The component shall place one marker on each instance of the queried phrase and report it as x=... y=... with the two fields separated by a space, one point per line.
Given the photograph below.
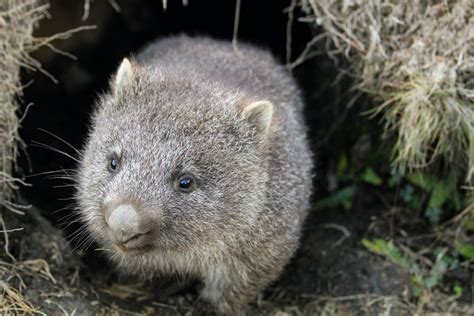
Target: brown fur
x=180 y=112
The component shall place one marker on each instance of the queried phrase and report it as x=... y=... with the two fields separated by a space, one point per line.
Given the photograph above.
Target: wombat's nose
x=124 y=222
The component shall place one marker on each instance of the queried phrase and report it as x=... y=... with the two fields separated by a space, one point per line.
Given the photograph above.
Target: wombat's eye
x=113 y=163
x=186 y=183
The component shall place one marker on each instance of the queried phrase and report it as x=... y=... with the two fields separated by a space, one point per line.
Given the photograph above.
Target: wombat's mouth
x=140 y=243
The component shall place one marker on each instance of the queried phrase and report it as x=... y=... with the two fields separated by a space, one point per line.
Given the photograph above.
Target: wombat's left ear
x=259 y=114
x=124 y=76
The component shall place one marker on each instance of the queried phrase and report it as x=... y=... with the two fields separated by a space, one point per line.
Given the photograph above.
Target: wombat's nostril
x=123 y=220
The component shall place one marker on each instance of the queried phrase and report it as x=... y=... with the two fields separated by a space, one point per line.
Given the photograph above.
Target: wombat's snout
x=125 y=221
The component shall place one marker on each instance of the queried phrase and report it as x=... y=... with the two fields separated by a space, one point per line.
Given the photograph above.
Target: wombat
x=198 y=164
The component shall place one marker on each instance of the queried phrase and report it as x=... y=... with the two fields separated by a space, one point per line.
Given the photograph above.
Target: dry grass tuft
x=417 y=57
x=17 y=20
x=12 y=300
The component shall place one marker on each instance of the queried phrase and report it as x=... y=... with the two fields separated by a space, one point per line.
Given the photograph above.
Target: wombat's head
x=171 y=163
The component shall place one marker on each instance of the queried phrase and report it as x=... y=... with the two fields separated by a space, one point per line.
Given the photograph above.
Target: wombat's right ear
x=259 y=114
x=124 y=76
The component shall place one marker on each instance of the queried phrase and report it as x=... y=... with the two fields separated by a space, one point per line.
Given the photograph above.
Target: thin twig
x=236 y=27
x=5 y=236
x=289 y=30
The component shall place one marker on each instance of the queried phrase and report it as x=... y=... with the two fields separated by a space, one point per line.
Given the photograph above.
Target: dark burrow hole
x=63 y=108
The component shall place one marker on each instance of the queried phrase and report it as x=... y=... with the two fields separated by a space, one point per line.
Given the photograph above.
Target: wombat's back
x=248 y=69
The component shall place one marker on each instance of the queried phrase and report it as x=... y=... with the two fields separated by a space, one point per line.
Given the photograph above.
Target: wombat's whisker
x=44 y=146
x=70 y=206
x=76 y=236
x=68 y=216
x=60 y=139
x=64 y=186
x=61 y=177
x=65 y=225
x=69 y=219
x=86 y=240
x=47 y=173
x=90 y=243
x=67 y=199
x=104 y=249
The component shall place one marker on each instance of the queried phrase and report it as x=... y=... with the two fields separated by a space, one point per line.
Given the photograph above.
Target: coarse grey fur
x=180 y=112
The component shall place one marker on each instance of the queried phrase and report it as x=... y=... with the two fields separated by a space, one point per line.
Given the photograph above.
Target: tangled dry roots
x=417 y=57
x=17 y=20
